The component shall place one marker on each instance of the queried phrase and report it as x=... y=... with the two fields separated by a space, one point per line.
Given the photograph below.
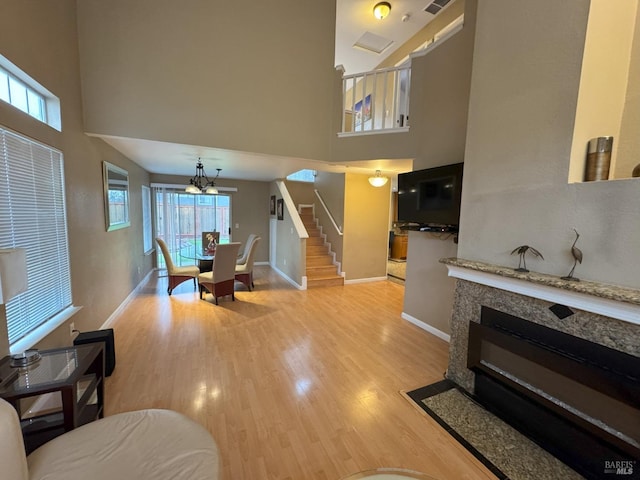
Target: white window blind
x=33 y=216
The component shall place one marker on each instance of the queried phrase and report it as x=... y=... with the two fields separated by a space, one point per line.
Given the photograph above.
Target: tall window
x=33 y=216
x=147 y=243
x=182 y=217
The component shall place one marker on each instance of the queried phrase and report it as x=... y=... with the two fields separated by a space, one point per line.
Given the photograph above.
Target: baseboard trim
x=365 y=280
x=425 y=326
x=116 y=313
x=292 y=282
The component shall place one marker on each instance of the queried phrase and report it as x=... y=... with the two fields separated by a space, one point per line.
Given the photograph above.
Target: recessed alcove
x=608 y=101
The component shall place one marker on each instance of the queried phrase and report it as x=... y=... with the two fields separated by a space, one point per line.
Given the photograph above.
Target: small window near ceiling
x=304 y=175
x=24 y=93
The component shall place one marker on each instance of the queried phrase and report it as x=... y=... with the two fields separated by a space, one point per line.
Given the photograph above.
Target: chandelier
x=200 y=183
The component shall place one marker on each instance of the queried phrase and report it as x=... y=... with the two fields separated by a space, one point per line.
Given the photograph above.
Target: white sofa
x=140 y=445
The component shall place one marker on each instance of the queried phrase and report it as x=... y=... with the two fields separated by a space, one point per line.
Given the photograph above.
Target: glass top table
x=61 y=390
x=55 y=367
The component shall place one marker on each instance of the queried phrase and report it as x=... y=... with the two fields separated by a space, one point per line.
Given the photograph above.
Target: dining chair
x=220 y=281
x=176 y=275
x=242 y=258
x=244 y=271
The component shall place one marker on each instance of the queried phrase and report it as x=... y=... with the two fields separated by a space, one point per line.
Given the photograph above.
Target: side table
x=72 y=378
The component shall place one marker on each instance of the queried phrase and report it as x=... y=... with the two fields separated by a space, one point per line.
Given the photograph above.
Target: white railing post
x=384 y=100
x=353 y=105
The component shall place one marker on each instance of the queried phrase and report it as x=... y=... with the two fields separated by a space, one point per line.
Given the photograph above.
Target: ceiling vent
x=373 y=43
x=436 y=6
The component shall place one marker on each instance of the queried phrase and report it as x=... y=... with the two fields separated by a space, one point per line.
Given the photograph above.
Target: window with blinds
x=33 y=216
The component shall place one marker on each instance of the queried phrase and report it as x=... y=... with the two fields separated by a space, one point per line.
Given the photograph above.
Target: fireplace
x=566 y=377
x=578 y=399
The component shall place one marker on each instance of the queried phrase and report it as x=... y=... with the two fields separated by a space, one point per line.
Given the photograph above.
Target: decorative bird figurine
x=522 y=251
x=577 y=258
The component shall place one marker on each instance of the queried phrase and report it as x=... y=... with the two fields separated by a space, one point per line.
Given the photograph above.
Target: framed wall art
x=280 y=209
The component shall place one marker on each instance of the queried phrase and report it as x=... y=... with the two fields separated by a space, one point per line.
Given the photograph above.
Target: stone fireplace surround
x=604 y=314
x=474 y=291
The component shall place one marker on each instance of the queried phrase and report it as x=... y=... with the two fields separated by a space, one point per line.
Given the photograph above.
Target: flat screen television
x=430 y=197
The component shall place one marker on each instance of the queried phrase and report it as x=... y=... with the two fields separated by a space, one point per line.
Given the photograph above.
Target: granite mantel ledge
x=601 y=290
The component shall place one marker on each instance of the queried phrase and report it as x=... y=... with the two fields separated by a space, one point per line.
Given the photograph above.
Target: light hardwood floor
x=293 y=385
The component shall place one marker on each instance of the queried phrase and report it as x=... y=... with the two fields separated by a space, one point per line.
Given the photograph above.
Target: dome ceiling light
x=381 y=10
x=378 y=180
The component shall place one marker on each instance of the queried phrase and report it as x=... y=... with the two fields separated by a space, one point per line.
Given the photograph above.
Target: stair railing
x=376 y=101
x=328 y=212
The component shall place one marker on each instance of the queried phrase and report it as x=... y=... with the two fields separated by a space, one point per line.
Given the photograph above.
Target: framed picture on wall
x=272 y=205
x=280 y=209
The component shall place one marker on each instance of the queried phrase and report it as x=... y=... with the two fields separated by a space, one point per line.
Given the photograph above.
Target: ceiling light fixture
x=200 y=183
x=378 y=180
x=381 y=10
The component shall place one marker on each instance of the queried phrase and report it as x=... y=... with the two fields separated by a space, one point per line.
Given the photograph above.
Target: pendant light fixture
x=378 y=180
x=381 y=10
x=200 y=183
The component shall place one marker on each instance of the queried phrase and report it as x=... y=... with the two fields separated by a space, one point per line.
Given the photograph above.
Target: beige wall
x=289 y=247
x=330 y=186
x=105 y=266
x=366 y=228
x=249 y=209
x=301 y=192
x=526 y=74
x=211 y=73
x=428 y=291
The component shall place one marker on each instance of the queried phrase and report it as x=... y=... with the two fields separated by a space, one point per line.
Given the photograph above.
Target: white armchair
x=145 y=445
x=244 y=271
x=221 y=280
x=242 y=256
x=176 y=275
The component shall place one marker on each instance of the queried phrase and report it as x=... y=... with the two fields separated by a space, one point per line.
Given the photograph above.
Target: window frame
x=49 y=103
x=147 y=221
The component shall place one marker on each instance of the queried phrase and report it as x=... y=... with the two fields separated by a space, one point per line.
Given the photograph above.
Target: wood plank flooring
x=293 y=385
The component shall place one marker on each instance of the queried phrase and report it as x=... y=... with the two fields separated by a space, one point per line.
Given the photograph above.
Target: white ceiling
x=179 y=159
x=353 y=19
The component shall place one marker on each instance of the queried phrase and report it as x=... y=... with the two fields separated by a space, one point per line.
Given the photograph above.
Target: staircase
x=321 y=272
